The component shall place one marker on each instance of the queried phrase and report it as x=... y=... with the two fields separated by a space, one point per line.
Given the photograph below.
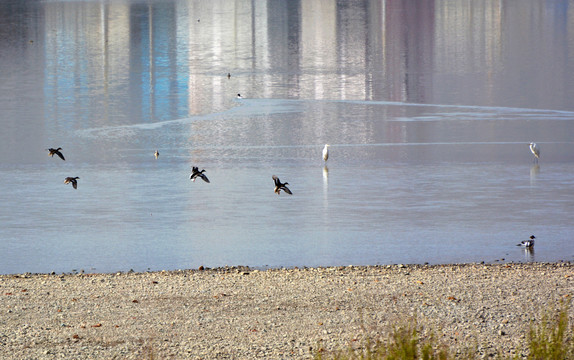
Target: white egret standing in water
x=326 y=152
x=535 y=150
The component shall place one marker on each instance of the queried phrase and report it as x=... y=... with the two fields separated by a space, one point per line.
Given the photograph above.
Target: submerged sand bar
x=241 y=313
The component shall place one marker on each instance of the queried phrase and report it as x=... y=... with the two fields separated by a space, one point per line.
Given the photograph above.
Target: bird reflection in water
x=325 y=185
x=529 y=254
x=325 y=212
x=534 y=171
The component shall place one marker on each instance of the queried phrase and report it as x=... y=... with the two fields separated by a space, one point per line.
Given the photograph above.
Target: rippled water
x=429 y=126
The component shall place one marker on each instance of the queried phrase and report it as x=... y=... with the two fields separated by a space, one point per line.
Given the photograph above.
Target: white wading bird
x=535 y=150
x=326 y=152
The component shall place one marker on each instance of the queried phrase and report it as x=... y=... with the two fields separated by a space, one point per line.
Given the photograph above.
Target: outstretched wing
x=276 y=180
x=204 y=178
x=60 y=155
x=286 y=189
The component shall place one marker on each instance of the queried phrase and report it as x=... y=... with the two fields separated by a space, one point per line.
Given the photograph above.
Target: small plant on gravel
x=404 y=342
x=551 y=339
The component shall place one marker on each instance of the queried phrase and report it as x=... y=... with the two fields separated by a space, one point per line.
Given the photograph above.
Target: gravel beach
x=241 y=313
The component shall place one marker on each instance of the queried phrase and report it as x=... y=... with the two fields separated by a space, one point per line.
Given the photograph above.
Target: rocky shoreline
x=241 y=313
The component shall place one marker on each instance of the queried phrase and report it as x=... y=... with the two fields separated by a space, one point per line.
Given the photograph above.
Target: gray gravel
x=240 y=313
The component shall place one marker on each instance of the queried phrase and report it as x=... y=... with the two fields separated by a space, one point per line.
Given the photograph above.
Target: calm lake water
x=428 y=107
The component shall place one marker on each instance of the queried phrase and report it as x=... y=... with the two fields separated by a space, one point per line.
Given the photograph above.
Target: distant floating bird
x=528 y=243
x=239 y=96
x=56 y=152
x=156 y=154
x=535 y=150
x=326 y=152
x=229 y=75
x=281 y=186
x=73 y=180
x=195 y=173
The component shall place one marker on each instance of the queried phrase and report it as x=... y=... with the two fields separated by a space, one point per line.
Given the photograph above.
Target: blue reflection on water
x=429 y=133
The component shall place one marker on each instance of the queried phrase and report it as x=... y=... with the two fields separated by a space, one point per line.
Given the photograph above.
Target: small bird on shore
x=56 y=152
x=535 y=149
x=280 y=186
x=195 y=173
x=156 y=154
x=229 y=75
x=527 y=243
x=73 y=180
x=326 y=152
x=239 y=96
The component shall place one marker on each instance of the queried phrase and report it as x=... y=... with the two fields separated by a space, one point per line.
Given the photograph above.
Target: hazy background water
x=428 y=106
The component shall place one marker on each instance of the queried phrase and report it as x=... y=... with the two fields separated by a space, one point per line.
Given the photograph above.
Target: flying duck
x=195 y=173
x=73 y=180
x=527 y=243
x=56 y=152
x=280 y=186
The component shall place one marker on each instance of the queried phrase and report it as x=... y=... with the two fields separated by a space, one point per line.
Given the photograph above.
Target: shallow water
x=429 y=158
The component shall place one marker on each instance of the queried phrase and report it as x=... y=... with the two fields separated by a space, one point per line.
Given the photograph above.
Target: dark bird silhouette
x=195 y=173
x=56 y=152
x=281 y=186
x=528 y=243
x=73 y=180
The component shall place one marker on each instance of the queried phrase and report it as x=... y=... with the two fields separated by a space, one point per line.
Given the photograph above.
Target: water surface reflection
x=427 y=108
